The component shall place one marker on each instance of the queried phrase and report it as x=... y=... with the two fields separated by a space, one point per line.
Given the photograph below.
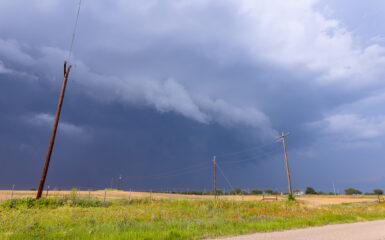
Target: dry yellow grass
x=315 y=200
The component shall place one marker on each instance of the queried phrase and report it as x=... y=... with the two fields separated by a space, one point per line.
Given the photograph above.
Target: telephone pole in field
x=287 y=163
x=215 y=179
x=52 y=141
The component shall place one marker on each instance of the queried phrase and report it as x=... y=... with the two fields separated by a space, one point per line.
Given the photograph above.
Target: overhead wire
x=74 y=32
x=196 y=166
x=223 y=174
x=250 y=158
x=201 y=166
x=247 y=149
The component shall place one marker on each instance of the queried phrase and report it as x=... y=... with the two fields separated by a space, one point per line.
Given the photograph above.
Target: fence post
x=46 y=195
x=13 y=187
x=105 y=194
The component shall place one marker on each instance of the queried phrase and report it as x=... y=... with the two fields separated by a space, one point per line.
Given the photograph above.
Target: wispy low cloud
x=352 y=127
x=229 y=115
x=4 y=69
x=12 y=51
x=46 y=120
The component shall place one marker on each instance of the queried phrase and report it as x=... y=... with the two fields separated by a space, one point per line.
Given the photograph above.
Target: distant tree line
x=236 y=191
x=348 y=191
x=308 y=191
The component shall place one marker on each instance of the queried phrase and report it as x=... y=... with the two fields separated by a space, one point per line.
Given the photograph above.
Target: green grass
x=74 y=218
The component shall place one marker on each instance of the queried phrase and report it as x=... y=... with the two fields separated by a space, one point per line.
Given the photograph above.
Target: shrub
x=192 y=192
x=268 y=191
x=352 y=191
x=310 y=190
x=291 y=197
x=22 y=203
x=74 y=194
x=378 y=191
x=256 y=191
x=236 y=191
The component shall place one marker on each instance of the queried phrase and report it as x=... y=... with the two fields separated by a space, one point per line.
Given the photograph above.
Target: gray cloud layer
x=255 y=65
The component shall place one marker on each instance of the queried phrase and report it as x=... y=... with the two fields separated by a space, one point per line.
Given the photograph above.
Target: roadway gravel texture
x=372 y=230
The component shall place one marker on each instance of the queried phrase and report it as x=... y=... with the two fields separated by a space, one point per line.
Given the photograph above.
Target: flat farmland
x=142 y=215
x=108 y=195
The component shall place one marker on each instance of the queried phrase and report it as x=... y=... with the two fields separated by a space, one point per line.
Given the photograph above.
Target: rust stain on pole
x=52 y=141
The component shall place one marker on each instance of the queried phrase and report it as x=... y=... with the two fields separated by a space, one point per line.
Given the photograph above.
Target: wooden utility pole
x=287 y=163
x=52 y=141
x=215 y=180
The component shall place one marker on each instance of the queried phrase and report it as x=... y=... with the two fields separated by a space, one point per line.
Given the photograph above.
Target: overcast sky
x=160 y=86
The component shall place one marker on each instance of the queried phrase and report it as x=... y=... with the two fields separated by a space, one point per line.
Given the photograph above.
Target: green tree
x=378 y=191
x=236 y=191
x=219 y=192
x=310 y=190
x=268 y=191
x=352 y=191
x=256 y=191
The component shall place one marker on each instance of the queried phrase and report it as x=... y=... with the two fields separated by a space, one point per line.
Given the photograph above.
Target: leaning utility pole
x=52 y=141
x=215 y=180
x=287 y=163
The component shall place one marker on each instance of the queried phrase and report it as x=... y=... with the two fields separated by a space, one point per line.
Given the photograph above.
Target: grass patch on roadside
x=74 y=218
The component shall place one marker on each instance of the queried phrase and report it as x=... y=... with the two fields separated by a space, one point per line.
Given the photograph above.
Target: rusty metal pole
x=52 y=141
x=215 y=180
x=287 y=163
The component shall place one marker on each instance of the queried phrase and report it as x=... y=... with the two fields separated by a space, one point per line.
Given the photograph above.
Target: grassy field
x=74 y=217
x=114 y=194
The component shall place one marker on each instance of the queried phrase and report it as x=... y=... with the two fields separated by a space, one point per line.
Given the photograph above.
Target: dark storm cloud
x=160 y=85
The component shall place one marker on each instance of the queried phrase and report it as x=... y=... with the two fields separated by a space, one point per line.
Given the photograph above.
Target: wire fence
x=113 y=194
x=13 y=191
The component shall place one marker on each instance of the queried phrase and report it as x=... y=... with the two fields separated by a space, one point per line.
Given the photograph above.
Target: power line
x=250 y=158
x=74 y=32
x=174 y=171
x=223 y=174
x=246 y=150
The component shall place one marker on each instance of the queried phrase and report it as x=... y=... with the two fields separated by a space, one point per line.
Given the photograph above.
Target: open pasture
x=108 y=195
x=162 y=216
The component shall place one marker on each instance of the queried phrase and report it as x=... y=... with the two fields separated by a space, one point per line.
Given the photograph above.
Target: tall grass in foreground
x=166 y=219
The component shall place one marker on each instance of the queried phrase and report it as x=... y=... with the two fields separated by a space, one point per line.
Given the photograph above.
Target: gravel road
x=372 y=230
